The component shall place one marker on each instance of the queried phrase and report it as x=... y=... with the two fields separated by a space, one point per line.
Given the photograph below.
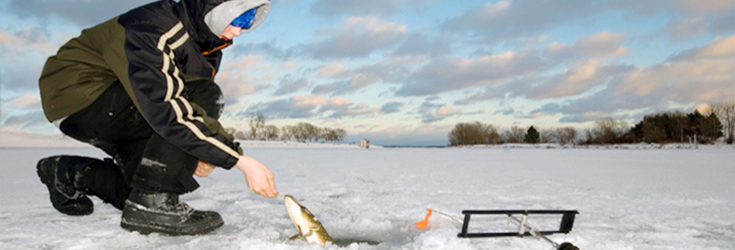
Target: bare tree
x=319 y=135
x=341 y=133
x=313 y=132
x=548 y=136
x=241 y=135
x=473 y=133
x=726 y=112
x=306 y=131
x=256 y=122
x=514 y=135
x=270 y=132
x=329 y=134
x=566 y=135
x=332 y=135
x=287 y=132
x=607 y=131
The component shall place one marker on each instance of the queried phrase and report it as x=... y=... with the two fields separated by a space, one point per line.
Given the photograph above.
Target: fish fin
x=297 y=236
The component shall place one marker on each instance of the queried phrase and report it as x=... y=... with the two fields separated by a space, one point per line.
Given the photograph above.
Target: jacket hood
x=191 y=13
x=222 y=15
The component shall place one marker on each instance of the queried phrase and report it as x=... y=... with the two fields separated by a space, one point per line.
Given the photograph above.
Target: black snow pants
x=148 y=162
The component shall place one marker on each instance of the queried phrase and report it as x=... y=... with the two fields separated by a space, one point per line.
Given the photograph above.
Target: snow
x=635 y=198
x=24 y=140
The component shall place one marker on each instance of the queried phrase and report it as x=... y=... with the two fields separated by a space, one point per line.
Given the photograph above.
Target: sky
x=401 y=72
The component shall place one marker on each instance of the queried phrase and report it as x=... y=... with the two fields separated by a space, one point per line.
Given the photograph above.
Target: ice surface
x=628 y=199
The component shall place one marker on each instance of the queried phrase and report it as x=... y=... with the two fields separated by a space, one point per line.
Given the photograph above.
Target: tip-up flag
x=422 y=224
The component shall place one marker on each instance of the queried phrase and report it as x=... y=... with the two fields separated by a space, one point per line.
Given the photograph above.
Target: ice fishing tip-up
x=567 y=222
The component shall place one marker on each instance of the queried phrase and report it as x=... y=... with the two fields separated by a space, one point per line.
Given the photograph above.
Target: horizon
x=405 y=72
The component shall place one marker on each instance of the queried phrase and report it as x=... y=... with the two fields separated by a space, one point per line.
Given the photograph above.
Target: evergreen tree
x=667 y=127
x=532 y=135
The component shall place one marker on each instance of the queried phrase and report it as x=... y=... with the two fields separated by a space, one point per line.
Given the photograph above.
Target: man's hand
x=258 y=176
x=203 y=169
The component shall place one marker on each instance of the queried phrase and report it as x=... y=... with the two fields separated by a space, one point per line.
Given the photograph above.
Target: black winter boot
x=105 y=180
x=162 y=213
x=59 y=173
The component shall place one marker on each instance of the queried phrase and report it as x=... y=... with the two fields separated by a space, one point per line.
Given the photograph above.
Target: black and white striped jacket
x=152 y=51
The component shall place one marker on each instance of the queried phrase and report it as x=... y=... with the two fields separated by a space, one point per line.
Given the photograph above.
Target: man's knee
x=207 y=95
x=165 y=168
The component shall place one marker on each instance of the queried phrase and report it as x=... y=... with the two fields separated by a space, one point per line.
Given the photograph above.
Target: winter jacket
x=152 y=51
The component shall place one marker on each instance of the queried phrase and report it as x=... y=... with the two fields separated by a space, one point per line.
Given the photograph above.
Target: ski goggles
x=245 y=20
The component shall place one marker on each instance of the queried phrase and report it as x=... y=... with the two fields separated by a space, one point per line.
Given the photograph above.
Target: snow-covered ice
x=627 y=199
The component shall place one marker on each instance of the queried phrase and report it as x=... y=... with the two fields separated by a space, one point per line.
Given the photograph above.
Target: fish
x=309 y=227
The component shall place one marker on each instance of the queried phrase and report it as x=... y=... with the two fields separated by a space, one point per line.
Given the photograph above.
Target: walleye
x=309 y=227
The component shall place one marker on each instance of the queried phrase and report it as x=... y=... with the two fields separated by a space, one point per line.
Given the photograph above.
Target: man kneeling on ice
x=140 y=87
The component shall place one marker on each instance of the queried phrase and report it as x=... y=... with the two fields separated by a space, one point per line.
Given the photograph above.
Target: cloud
x=678 y=30
x=30 y=39
x=432 y=112
x=571 y=82
x=445 y=110
x=353 y=110
x=391 y=107
x=616 y=100
x=696 y=7
x=703 y=74
x=27 y=100
x=332 y=70
x=357 y=37
x=267 y=49
x=24 y=121
x=335 y=8
x=242 y=77
x=290 y=85
x=519 y=19
x=323 y=89
x=720 y=48
x=722 y=24
x=699 y=75
x=510 y=20
x=489 y=92
x=523 y=73
x=390 y=69
x=440 y=113
x=688 y=18
x=338 y=103
x=289 y=65
x=350 y=80
x=24 y=53
x=458 y=73
x=83 y=13
x=603 y=103
x=293 y=107
x=420 y=44
x=332 y=8
x=357 y=82
x=307 y=106
x=682 y=29
x=585 y=117
x=683 y=81
x=596 y=45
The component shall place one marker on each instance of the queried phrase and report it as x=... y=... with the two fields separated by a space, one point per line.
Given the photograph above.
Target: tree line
x=717 y=121
x=301 y=132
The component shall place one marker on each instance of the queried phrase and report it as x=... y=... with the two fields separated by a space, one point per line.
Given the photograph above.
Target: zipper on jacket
x=228 y=43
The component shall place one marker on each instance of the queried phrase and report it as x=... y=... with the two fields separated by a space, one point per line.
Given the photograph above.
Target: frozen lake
x=627 y=199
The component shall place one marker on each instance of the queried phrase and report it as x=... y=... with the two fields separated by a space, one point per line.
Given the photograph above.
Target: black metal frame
x=567 y=222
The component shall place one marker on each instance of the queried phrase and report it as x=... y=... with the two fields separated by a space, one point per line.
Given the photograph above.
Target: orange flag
x=422 y=224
